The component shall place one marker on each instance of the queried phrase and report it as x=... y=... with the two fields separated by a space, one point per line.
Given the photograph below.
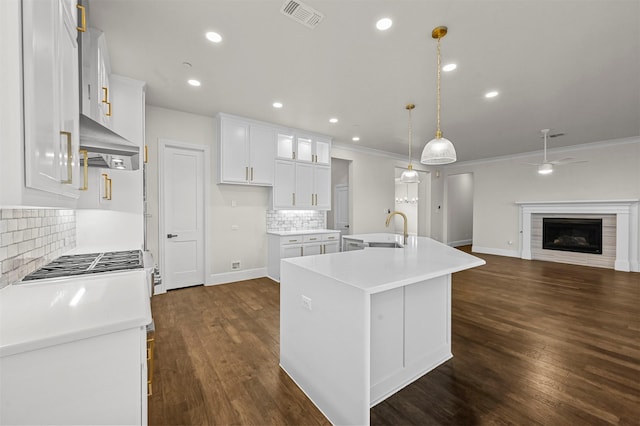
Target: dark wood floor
x=533 y=343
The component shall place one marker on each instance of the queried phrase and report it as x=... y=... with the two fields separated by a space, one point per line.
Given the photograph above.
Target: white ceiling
x=571 y=66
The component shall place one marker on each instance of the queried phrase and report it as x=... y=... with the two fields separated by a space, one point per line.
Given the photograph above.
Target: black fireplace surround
x=570 y=234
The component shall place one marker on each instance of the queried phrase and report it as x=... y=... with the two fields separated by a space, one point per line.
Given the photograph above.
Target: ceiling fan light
x=438 y=151
x=545 y=169
x=409 y=176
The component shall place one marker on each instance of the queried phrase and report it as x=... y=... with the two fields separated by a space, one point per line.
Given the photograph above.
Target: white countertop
x=379 y=269
x=44 y=313
x=304 y=232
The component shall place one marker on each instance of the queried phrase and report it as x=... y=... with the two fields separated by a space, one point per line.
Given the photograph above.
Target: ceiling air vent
x=300 y=12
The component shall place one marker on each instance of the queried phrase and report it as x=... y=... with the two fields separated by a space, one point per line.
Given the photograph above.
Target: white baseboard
x=460 y=243
x=230 y=277
x=635 y=266
x=498 y=252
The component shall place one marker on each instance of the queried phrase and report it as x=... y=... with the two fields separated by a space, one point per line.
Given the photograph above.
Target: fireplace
x=572 y=234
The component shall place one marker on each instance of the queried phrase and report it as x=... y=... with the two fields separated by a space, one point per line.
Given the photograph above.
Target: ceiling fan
x=546 y=166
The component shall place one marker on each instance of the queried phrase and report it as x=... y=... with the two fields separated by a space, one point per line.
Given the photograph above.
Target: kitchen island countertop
x=378 y=269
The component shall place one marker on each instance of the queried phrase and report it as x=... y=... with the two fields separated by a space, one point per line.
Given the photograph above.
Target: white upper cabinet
x=50 y=83
x=246 y=151
x=286 y=150
x=261 y=154
x=284 y=185
x=299 y=185
x=305 y=195
x=96 y=69
x=322 y=187
x=313 y=149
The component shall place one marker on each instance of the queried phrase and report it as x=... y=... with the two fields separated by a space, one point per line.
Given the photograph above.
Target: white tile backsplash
x=31 y=238
x=295 y=220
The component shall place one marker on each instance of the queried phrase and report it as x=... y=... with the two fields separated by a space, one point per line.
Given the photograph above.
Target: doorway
x=413 y=199
x=183 y=194
x=459 y=202
x=338 y=217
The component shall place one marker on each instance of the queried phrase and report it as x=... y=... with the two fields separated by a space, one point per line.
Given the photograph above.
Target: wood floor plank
x=534 y=343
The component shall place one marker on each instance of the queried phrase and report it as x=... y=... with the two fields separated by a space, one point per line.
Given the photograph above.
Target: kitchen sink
x=389 y=244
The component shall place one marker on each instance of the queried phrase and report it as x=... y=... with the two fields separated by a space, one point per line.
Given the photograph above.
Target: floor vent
x=300 y=12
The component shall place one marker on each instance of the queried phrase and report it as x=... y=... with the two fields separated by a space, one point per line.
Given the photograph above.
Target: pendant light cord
x=410 y=137
x=438 y=132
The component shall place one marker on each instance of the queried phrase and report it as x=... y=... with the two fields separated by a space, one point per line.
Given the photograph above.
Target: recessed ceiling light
x=194 y=83
x=491 y=94
x=333 y=120
x=355 y=138
x=449 y=67
x=384 y=24
x=277 y=105
x=214 y=37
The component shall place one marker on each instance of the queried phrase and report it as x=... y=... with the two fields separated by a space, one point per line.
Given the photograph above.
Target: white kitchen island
x=357 y=326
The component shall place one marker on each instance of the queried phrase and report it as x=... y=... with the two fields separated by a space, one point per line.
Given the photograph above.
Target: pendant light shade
x=439 y=150
x=410 y=175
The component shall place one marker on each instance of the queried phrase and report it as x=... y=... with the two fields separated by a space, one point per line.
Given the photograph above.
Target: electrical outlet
x=306 y=302
x=235 y=264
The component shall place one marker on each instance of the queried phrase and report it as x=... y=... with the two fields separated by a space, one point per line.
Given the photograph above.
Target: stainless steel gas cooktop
x=92 y=263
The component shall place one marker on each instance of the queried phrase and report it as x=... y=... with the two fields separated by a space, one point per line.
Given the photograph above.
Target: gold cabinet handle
x=312 y=202
x=107 y=187
x=69 y=157
x=85 y=167
x=252 y=174
x=83 y=18
x=293 y=155
x=293 y=199
x=246 y=173
x=105 y=100
x=301 y=252
x=146 y=154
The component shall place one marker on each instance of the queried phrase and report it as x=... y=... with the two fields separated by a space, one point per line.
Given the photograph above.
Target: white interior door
x=183 y=217
x=341 y=206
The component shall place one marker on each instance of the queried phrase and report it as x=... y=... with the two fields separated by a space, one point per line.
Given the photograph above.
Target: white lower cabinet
x=295 y=245
x=101 y=379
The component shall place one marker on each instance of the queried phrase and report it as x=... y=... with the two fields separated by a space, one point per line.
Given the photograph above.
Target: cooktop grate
x=92 y=263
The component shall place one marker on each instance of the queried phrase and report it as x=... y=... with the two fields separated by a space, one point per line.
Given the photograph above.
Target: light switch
x=235 y=227
x=234 y=203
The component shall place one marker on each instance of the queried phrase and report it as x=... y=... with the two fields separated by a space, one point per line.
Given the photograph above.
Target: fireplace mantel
x=626 y=212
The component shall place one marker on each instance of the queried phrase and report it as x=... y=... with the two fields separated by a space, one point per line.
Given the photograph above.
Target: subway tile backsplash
x=295 y=220
x=31 y=238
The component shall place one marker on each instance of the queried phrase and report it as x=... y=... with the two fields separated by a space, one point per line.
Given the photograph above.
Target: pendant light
x=439 y=150
x=410 y=175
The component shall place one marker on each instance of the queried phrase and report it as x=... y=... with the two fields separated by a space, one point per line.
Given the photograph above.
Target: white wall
x=248 y=243
x=612 y=171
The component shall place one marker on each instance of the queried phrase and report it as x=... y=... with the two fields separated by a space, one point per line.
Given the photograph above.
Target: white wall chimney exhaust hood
x=106 y=148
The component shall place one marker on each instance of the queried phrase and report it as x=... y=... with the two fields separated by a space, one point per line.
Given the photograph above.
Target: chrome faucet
x=404 y=216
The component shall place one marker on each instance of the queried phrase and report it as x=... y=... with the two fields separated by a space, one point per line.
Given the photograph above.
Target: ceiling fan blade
x=532 y=164
x=568 y=160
